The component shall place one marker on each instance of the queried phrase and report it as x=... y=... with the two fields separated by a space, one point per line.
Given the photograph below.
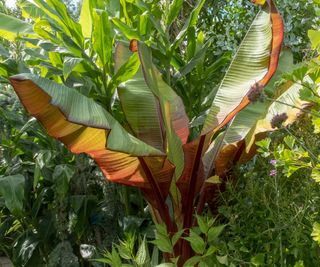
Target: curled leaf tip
x=258 y=2
x=133 y=45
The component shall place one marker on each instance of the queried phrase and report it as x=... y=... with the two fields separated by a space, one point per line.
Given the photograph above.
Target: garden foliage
x=121 y=87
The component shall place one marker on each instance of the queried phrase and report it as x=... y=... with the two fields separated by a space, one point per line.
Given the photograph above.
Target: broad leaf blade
x=174 y=10
x=253 y=121
x=144 y=119
x=11 y=27
x=85 y=127
x=276 y=42
x=102 y=40
x=74 y=119
x=175 y=120
x=85 y=19
x=12 y=189
x=248 y=67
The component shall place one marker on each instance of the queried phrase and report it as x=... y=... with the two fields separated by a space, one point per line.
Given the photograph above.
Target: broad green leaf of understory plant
x=12 y=190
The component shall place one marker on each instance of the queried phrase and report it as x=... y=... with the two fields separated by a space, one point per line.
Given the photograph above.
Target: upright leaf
x=85 y=19
x=252 y=68
x=145 y=120
x=175 y=120
x=102 y=39
x=174 y=10
x=249 y=65
x=190 y=22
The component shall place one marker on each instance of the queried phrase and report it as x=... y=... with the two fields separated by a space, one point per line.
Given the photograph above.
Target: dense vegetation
x=57 y=209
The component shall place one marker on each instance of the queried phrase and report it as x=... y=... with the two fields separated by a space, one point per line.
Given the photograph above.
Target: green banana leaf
x=249 y=65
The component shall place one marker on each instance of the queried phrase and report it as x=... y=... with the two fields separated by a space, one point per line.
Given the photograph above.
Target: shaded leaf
x=12 y=189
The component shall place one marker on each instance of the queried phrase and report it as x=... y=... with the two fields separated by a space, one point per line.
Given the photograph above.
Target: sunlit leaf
x=11 y=27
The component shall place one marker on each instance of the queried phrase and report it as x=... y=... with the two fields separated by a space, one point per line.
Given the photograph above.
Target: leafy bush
x=270 y=213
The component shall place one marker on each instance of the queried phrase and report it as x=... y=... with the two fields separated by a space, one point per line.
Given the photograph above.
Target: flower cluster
x=273 y=172
x=256 y=93
x=278 y=120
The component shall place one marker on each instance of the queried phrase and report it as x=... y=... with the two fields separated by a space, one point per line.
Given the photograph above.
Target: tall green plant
x=122 y=110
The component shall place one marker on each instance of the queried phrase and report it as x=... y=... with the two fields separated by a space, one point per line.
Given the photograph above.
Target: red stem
x=187 y=223
x=162 y=206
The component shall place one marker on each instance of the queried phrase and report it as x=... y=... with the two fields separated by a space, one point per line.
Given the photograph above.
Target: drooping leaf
x=11 y=27
x=30 y=10
x=85 y=127
x=59 y=16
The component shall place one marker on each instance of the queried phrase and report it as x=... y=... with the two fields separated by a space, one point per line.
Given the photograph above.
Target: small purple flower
x=273 y=172
x=273 y=162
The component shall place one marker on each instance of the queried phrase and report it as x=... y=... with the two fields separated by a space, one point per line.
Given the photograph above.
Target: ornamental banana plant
x=151 y=148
